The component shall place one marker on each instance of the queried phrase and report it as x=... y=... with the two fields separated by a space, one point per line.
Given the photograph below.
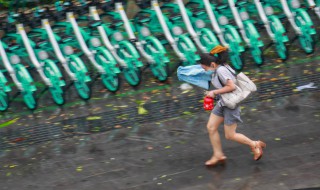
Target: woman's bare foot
x=214 y=161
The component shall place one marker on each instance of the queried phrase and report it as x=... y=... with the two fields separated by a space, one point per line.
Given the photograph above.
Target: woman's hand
x=211 y=93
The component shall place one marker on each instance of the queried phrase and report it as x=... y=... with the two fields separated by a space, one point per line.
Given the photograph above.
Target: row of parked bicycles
x=75 y=36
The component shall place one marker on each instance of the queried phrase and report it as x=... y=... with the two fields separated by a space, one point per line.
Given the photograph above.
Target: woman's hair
x=218 y=54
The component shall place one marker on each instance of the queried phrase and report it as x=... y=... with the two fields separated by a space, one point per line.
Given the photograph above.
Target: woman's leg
x=231 y=134
x=212 y=126
x=256 y=146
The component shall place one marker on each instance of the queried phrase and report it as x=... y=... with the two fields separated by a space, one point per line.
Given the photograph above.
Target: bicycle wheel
x=132 y=76
x=80 y=71
x=29 y=100
x=257 y=55
x=4 y=101
x=281 y=50
x=111 y=81
x=237 y=60
x=307 y=43
x=53 y=73
x=83 y=89
x=57 y=94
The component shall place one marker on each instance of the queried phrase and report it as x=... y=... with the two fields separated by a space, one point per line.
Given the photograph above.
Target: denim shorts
x=230 y=116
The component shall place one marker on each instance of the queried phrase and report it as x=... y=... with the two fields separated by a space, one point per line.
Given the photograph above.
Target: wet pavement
x=154 y=137
x=170 y=153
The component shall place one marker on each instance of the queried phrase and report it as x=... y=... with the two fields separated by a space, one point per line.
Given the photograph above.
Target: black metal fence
x=27 y=135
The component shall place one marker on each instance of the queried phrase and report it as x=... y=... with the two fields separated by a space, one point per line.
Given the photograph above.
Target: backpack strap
x=234 y=74
x=230 y=72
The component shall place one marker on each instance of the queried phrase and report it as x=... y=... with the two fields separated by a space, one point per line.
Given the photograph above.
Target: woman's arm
x=229 y=87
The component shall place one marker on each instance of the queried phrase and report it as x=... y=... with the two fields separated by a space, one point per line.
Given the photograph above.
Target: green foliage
x=4 y=3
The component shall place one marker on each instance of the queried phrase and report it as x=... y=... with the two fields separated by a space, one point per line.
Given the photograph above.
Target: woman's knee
x=229 y=135
x=212 y=129
x=230 y=131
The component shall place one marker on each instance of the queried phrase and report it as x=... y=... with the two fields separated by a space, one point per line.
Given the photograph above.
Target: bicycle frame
x=123 y=50
x=203 y=37
x=247 y=30
x=47 y=69
x=5 y=89
x=274 y=28
x=73 y=65
x=181 y=44
x=98 y=55
x=315 y=6
x=301 y=23
x=149 y=47
x=20 y=76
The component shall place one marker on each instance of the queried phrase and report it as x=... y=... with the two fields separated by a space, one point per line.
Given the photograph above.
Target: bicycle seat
x=107 y=5
x=175 y=16
x=115 y=23
x=81 y=10
x=143 y=19
x=66 y=38
x=46 y=13
x=35 y=22
x=40 y=42
x=143 y=16
x=160 y=36
x=59 y=15
x=143 y=4
x=13 y=46
x=197 y=11
x=9 y=27
x=94 y=23
x=2 y=25
x=233 y=22
x=240 y=3
x=221 y=6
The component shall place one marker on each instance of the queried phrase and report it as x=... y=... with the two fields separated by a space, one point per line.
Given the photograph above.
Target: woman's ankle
x=218 y=156
x=253 y=144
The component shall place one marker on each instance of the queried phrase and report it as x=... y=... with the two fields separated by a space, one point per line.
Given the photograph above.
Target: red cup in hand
x=208 y=103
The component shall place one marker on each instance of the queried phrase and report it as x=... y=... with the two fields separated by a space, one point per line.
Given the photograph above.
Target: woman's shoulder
x=225 y=69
